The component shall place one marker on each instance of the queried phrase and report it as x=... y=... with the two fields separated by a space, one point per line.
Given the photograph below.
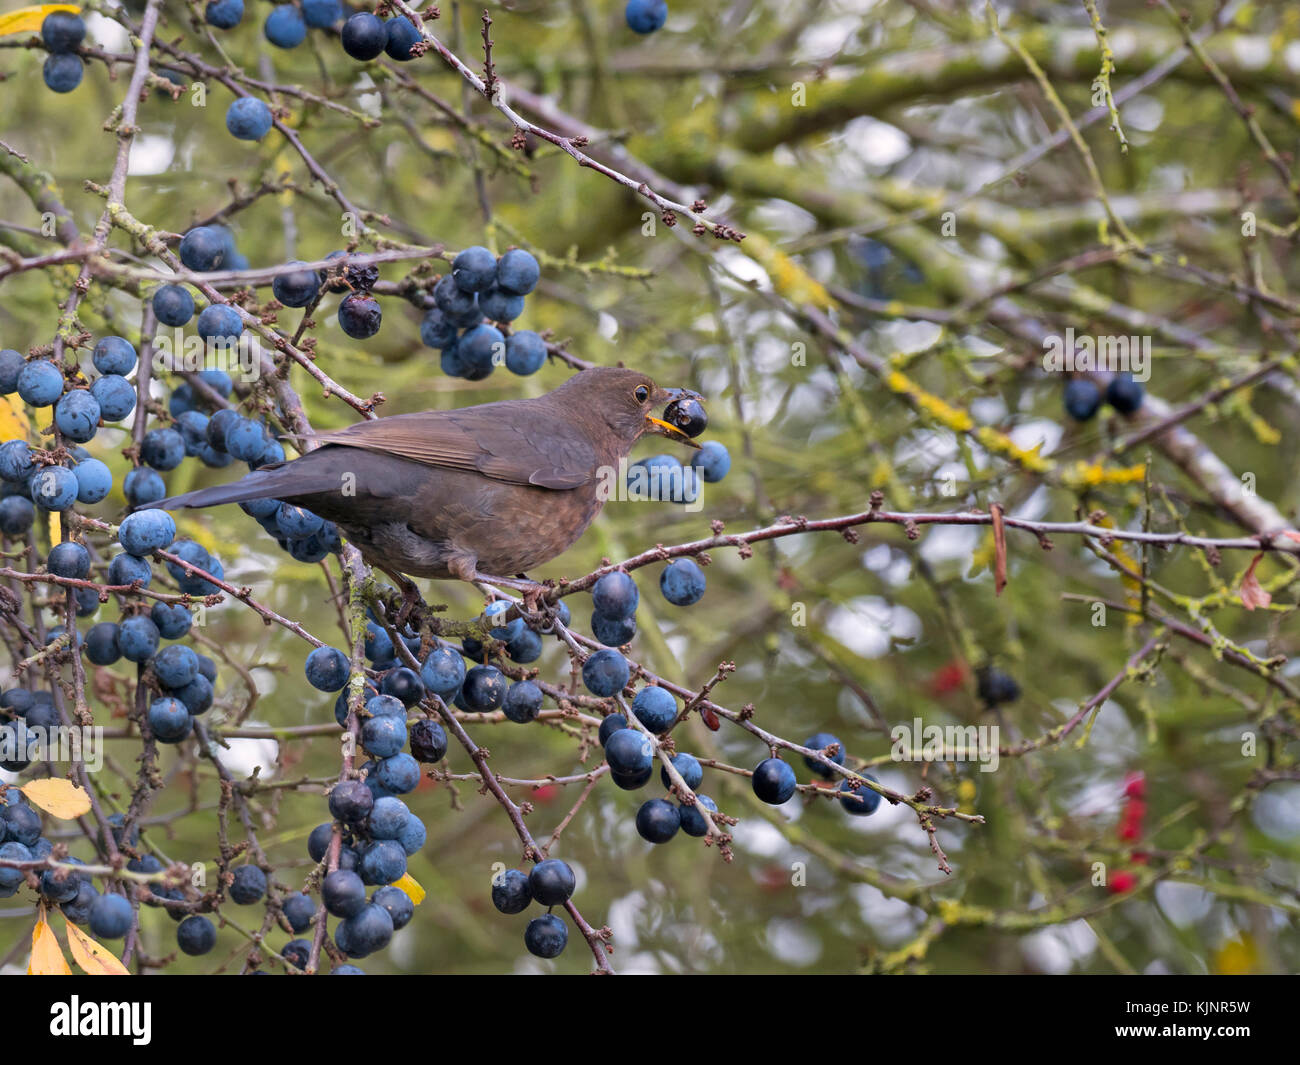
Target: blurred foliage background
x=835 y=133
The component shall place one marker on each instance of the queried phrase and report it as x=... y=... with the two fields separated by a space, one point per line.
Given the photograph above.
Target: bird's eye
x=642 y=393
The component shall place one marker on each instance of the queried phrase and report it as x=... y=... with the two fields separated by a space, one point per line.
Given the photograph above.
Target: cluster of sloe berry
x=1083 y=398
x=479 y=290
x=63 y=32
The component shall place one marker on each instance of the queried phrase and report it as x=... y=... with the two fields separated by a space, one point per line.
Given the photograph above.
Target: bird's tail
x=283 y=480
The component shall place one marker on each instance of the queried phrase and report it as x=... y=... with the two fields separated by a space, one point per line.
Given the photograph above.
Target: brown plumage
x=477 y=493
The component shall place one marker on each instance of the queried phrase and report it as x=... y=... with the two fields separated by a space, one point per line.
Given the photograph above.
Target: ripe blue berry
x=413 y=835
x=774 y=781
x=219 y=324
x=499 y=305
x=298 y=910
x=364 y=36
x=173 y=622
x=69 y=559
x=351 y=802
x=11 y=365
x=137 y=638
x=285 y=27
x=517 y=272
x=525 y=352
x=343 y=893
x=196 y=935
x=77 y=415
x=383 y=737
x=713 y=461
x=366 y=932
x=115 y=396
x=114 y=355
x=16 y=515
x=63 y=72
x=54 y=488
x=225 y=15
x=858 y=799
x=605 y=672
x=628 y=752
x=172 y=304
x=655 y=708
x=612 y=632
x=484 y=689
x=205 y=248
x=510 y=891
x=321 y=14
x=523 y=702
x=388 y=816
x=996 y=687
x=398 y=904
x=146 y=531
x=142 y=486
x=383 y=862
x=128 y=569
x=398 y=775
x=1082 y=399
x=1124 y=393
x=820 y=741
x=296 y=289
x=693 y=823
x=248 y=886
x=436 y=330
x=40 y=383
x=552 y=882
x=403 y=684
x=615 y=595
x=682 y=582
x=611 y=724
x=175 y=666
x=657 y=820
x=688 y=767
x=169 y=720
x=480 y=349
x=401 y=34
x=546 y=936
x=63 y=31
x=327 y=669
x=248 y=119
x=645 y=16
x=474 y=269
x=460 y=307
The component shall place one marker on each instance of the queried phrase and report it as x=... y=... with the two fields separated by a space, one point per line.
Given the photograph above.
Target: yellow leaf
x=47 y=956
x=13 y=418
x=94 y=958
x=62 y=798
x=411 y=886
x=29 y=19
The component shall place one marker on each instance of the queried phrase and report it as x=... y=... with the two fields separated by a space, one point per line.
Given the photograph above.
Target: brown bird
x=480 y=493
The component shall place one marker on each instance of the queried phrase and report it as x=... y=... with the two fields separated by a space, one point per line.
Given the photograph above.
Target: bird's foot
x=410 y=597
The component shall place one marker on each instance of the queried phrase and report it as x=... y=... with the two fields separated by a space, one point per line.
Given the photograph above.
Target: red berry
x=1121 y=882
x=1135 y=786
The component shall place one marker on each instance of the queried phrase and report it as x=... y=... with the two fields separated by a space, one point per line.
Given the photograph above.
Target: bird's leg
x=465 y=567
x=410 y=596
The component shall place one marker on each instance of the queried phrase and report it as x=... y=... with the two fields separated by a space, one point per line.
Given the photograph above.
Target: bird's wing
x=504 y=441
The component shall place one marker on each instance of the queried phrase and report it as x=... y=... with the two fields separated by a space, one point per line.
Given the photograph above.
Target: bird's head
x=626 y=400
